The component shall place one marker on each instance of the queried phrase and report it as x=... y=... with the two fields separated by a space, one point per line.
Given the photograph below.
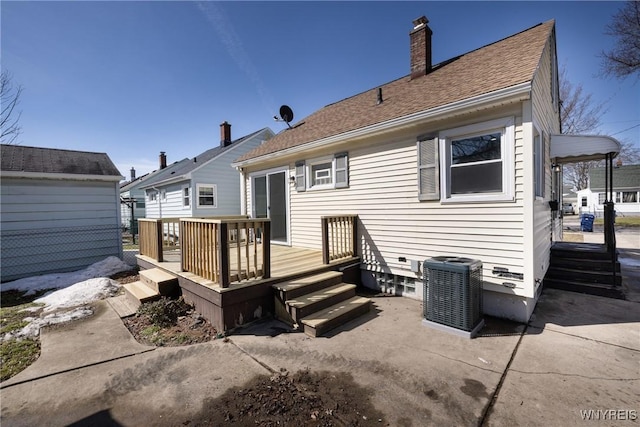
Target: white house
x=60 y=210
x=626 y=191
x=205 y=185
x=453 y=159
x=133 y=198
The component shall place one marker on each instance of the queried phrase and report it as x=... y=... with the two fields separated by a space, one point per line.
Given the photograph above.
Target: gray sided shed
x=59 y=210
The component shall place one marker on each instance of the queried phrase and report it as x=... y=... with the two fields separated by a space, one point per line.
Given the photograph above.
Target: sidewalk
x=579 y=352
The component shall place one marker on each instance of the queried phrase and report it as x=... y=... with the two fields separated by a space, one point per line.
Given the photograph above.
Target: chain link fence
x=49 y=250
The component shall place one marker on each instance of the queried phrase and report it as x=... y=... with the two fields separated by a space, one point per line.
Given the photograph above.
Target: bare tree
x=624 y=59
x=9 y=117
x=579 y=114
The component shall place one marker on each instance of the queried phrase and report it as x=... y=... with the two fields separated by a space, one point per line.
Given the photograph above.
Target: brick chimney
x=420 y=41
x=163 y=160
x=225 y=134
x=133 y=174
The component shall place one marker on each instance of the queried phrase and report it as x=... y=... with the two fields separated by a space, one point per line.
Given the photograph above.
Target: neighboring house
x=133 y=198
x=626 y=191
x=60 y=210
x=204 y=186
x=570 y=197
x=453 y=159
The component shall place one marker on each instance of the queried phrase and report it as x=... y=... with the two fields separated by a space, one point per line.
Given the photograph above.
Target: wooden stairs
x=318 y=303
x=585 y=268
x=153 y=284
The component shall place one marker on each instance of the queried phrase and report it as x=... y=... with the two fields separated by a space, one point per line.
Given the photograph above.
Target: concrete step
x=307 y=304
x=124 y=305
x=140 y=292
x=162 y=282
x=330 y=318
x=598 y=289
x=294 y=288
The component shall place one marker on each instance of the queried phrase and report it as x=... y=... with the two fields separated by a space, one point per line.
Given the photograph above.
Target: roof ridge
x=52 y=149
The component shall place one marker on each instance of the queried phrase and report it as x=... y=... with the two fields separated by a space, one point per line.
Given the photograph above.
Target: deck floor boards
x=286 y=261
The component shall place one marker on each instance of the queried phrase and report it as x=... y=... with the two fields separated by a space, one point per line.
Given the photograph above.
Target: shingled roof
x=503 y=64
x=184 y=167
x=624 y=177
x=18 y=158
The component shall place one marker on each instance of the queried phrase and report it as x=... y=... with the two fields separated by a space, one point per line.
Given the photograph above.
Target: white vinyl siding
x=539 y=225
x=383 y=191
x=57 y=225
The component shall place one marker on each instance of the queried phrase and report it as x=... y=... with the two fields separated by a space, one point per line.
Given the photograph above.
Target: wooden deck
x=286 y=262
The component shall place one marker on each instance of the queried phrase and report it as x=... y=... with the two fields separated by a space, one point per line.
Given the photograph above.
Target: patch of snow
x=630 y=262
x=70 y=302
x=33 y=328
x=106 y=267
x=79 y=294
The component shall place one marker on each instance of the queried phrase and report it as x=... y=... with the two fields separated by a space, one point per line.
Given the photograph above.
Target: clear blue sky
x=135 y=78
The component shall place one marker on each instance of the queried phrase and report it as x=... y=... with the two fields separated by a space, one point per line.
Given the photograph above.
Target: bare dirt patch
x=169 y=322
x=304 y=398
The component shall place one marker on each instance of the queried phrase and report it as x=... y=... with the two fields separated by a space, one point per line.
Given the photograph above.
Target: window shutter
x=301 y=182
x=342 y=170
x=428 y=168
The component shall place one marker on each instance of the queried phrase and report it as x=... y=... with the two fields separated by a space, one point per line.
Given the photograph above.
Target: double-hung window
x=206 y=195
x=186 y=197
x=477 y=162
x=153 y=195
x=323 y=173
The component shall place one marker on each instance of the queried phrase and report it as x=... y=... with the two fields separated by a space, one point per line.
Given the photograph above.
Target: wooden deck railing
x=157 y=234
x=226 y=250
x=339 y=237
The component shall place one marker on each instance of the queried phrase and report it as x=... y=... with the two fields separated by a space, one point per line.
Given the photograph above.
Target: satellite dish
x=286 y=113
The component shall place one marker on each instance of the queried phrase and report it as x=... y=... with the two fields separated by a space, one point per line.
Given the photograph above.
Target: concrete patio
x=579 y=352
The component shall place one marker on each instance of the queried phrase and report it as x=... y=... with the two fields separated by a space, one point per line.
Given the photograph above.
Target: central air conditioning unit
x=453 y=295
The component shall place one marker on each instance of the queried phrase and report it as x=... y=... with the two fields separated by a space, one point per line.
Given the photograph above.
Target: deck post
x=354 y=235
x=325 y=239
x=181 y=228
x=159 y=239
x=266 y=250
x=223 y=254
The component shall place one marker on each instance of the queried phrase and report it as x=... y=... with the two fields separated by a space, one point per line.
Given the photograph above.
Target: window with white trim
x=186 y=197
x=478 y=162
x=629 y=197
x=152 y=195
x=538 y=162
x=602 y=197
x=323 y=173
x=207 y=196
x=163 y=194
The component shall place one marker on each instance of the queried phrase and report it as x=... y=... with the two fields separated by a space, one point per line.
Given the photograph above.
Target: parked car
x=567 y=209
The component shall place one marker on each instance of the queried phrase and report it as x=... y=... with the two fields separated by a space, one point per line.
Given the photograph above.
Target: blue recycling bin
x=586 y=222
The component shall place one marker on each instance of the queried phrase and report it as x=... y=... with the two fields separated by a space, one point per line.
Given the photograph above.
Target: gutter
x=520 y=92
x=60 y=176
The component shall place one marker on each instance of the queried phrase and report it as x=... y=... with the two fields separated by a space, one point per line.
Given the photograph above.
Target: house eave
x=60 y=176
x=169 y=181
x=516 y=93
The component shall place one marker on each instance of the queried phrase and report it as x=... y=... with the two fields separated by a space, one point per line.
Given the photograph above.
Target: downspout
x=159 y=202
x=243 y=191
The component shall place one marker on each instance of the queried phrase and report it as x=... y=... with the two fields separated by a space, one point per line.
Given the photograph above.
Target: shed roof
x=38 y=160
x=624 y=177
x=500 y=65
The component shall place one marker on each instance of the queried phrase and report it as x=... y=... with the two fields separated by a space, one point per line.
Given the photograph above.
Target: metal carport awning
x=582 y=148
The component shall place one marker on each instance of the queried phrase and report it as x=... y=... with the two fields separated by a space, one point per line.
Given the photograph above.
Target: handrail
x=339 y=237
x=226 y=250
